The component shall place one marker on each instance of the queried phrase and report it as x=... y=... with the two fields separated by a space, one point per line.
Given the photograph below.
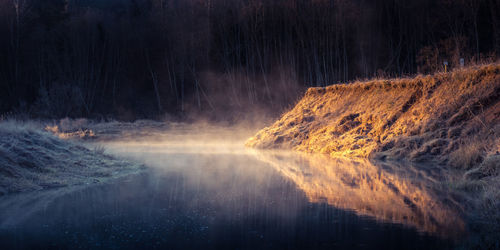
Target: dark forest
x=222 y=59
x=250 y=124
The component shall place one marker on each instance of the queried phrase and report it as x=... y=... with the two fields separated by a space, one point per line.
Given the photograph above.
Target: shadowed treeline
x=133 y=59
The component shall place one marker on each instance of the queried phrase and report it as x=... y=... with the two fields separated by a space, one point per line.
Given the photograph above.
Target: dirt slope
x=452 y=118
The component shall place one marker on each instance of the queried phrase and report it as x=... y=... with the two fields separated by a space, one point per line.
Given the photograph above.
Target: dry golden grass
x=80 y=133
x=448 y=118
x=469 y=154
x=422 y=118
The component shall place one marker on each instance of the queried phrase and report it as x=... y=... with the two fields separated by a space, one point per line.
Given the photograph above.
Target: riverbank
x=450 y=119
x=33 y=159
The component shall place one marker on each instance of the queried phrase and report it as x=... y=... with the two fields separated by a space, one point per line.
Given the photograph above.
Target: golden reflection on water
x=415 y=196
x=389 y=192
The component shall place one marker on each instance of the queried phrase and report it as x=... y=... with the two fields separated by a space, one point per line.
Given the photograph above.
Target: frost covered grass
x=34 y=159
x=84 y=129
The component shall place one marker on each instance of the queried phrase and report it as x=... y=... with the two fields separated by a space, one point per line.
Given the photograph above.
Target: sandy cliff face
x=451 y=118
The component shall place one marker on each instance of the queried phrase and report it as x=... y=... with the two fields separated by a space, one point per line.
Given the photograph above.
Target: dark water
x=234 y=199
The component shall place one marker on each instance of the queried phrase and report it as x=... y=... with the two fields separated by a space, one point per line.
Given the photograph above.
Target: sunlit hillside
x=451 y=118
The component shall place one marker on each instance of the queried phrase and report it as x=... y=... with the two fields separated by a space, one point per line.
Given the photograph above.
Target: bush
x=470 y=153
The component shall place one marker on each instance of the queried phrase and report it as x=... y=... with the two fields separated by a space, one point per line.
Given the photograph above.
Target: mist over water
x=203 y=189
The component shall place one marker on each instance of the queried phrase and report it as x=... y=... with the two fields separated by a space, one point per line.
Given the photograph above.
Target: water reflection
x=415 y=196
x=388 y=191
x=217 y=195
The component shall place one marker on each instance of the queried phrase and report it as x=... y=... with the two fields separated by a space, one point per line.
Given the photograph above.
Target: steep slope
x=451 y=118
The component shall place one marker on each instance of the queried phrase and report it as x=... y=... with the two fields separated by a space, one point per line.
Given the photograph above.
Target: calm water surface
x=219 y=195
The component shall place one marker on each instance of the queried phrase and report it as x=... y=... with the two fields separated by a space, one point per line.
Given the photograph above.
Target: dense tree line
x=143 y=58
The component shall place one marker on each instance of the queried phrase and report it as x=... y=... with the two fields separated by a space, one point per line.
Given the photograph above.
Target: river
x=207 y=191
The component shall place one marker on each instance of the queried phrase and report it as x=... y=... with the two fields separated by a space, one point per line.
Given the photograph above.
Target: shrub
x=469 y=154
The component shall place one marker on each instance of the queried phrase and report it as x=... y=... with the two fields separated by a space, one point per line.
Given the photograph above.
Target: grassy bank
x=451 y=119
x=33 y=159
